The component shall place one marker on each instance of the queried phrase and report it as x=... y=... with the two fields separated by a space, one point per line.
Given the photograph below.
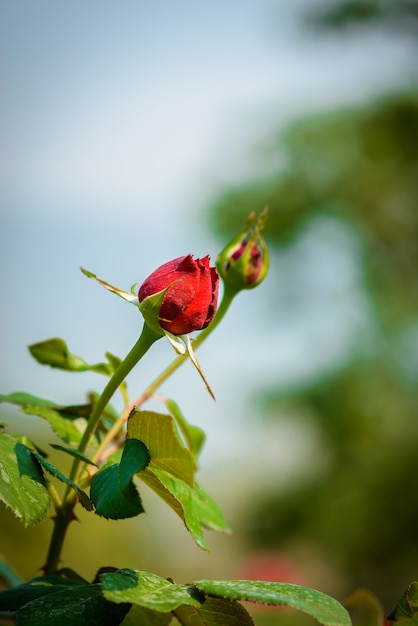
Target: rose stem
x=227 y=298
x=64 y=513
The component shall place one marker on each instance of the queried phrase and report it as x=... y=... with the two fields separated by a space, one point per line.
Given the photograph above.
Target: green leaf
x=22 y=398
x=114 y=361
x=76 y=411
x=55 y=353
x=159 y=434
x=193 y=506
x=208 y=511
x=22 y=485
x=214 y=612
x=193 y=435
x=74 y=453
x=146 y=590
x=112 y=489
x=80 y=605
x=61 y=419
x=110 y=412
x=83 y=497
x=65 y=428
x=140 y=616
x=13 y=599
x=321 y=607
x=154 y=483
x=364 y=608
x=406 y=610
x=109 y=368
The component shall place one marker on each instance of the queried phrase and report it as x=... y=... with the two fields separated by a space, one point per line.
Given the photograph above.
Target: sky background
x=120 y=123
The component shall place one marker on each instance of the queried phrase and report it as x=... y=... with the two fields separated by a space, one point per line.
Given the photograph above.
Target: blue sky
x=120 y=122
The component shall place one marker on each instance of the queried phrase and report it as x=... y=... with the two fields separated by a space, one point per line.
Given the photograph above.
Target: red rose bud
x=189 y=294
x=244 y=262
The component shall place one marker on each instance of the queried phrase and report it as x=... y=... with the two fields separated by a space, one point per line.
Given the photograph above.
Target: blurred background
x=135 y=132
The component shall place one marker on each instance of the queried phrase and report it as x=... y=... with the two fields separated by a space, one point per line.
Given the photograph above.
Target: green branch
x=64 y=512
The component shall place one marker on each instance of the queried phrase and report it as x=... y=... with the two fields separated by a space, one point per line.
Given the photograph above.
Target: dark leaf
x=74 y=453
x=113 y=491
x=109 y=500
x=80 y=605
x=13 y=599
x=83 y=497
x=135 y=458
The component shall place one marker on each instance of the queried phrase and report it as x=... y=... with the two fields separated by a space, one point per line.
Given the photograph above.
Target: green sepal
x=112 y=489
x=51 y=469
x=129 y=297
x=150 y=308
x=22 y=484
x=326 y=610
x=182 y=344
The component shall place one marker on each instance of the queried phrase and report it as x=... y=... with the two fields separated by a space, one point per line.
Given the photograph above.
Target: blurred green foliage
x=359 y=505
x=362 y=165
x=401 y=15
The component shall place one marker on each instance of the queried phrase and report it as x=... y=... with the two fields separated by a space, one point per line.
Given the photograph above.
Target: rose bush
x=111 y=452
x=190 y=302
